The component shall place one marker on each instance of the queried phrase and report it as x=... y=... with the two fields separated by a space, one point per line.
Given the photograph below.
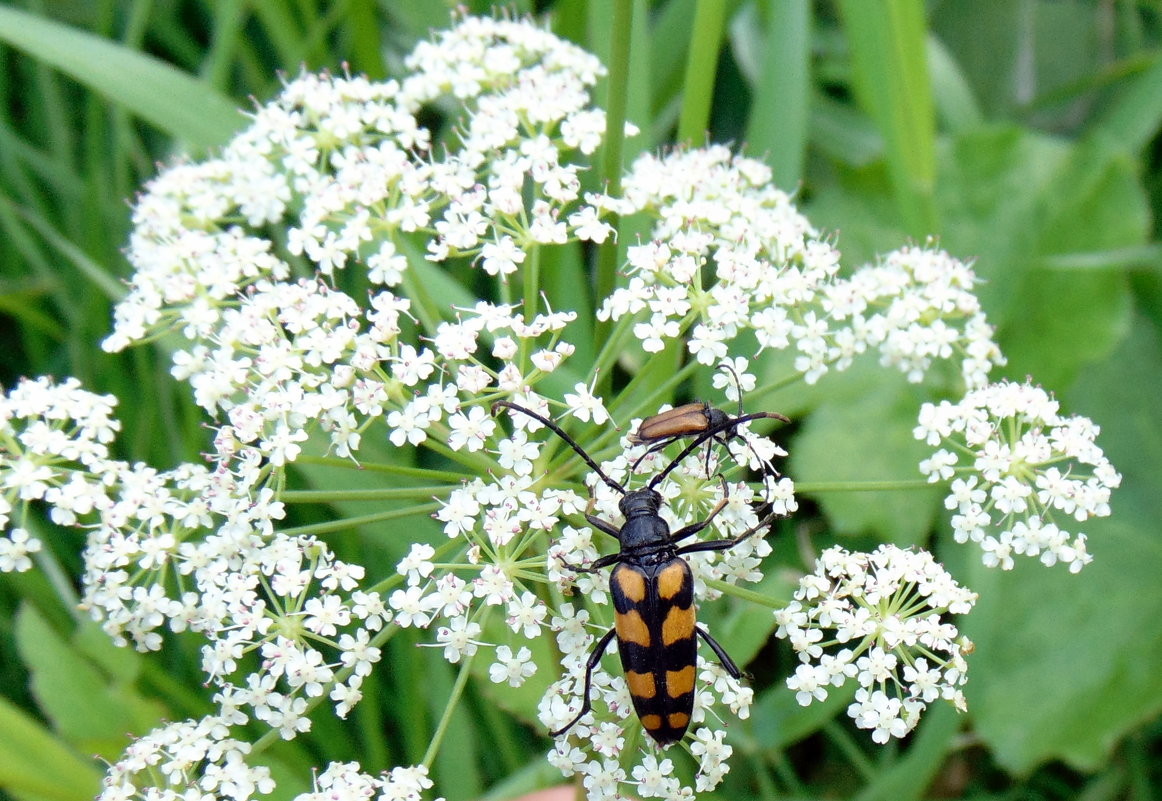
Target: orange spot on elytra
x=631 y=583
x=632 y=628
x=678 y=625
x=672 y=579
x=679 y=682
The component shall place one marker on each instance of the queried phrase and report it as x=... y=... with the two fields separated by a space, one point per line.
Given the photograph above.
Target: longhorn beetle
x=696 y=419
x=653 y=597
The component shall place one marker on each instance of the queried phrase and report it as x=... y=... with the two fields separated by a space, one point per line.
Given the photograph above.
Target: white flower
x=511 y=668
x=1029 y=465
x=848 y=593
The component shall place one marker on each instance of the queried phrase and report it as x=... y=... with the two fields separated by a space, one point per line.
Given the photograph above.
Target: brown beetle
x=695 y=420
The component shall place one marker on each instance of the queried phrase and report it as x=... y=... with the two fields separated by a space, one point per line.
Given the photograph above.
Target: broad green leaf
x=955 y=104
x=777 y=720
x=842 y=133
x=910 y=776
x=1065 y=665
x=984 y=38
x=186 y=108
x=869 y=439
x=36 y=765
x=779 y=114
x=1134 y=114
x=1067 y=318
x=84 y=705
x=1010 y=201
x=891 y=81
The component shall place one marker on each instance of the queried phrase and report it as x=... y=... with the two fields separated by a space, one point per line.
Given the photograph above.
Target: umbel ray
x=652 y=588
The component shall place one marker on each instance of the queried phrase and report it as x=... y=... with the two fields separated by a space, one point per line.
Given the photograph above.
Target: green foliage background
x=1023 y=133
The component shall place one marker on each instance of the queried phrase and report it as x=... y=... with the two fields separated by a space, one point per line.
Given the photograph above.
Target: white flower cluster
x=877 y=618
x=309 y=268
x=1018 y=466
x=345 y=166
x=185 y=760
x=348 y=160
x=772 y=273
x=344 y=781
x=192 y=549
x=53 y=449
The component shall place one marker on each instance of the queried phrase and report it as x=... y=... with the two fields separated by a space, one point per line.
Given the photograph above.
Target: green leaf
x=778 y=123
x=1015 y=201
x=868 y=439
x=183 y=106
x=1065 y=665
x=891 y=81
x=1134 y=113
x=778 y=720
x=701 y=69
x=88 y=709
x=35 y=765
x=910 y=776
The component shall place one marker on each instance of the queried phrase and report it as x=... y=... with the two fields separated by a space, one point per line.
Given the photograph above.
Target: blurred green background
x=1024 y=134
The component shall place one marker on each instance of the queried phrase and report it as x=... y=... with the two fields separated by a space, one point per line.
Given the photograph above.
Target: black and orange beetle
x=653 y=597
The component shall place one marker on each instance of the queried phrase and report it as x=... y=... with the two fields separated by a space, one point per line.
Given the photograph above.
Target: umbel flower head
x=313 y=277
x=877 y=620
x=1018 y=467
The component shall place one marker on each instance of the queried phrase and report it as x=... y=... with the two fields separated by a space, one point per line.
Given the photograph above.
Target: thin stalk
x=701 y=70
x=744 y=594
x=375 y=467
x=862 y=486
x=332 y=526
x=331 y=496
x=612 y=155
x=446 y=718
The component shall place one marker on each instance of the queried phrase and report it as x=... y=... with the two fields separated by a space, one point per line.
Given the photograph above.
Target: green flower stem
x=331 y=496
x=701 y=70
x=376 y=467
x=422 y=303
x=612 y=154
x=46 y=560
x=862 y=486
x=759 y=393
x=273 y=736
x=612 y=348
x=478 y=463
x=532 y=288
x=332 y=526
x=747 y=595
x=851 y=749
x=453 y=700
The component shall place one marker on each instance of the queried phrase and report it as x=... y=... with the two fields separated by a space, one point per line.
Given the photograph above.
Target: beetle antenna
x=556 y=429
x=737 y=384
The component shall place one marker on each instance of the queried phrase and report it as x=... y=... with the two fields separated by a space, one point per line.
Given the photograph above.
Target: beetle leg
x=720 y=652
x=604 y=561
x=590 y=666
x=597 y=523
x=722 y=545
